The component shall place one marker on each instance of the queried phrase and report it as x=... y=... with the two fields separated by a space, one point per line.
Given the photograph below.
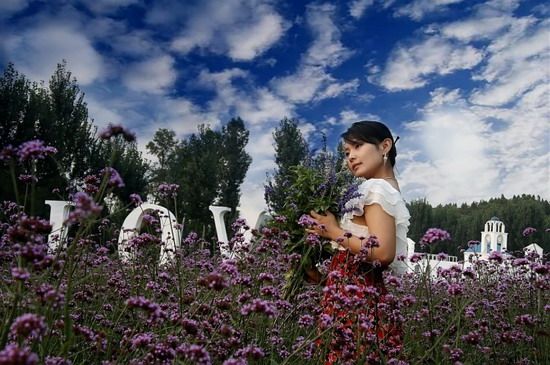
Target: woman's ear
x=386 y=145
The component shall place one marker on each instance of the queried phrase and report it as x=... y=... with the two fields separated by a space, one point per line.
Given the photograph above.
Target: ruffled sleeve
x=378 y=191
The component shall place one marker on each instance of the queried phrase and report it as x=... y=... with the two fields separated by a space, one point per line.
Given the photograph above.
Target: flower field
x=81 y=304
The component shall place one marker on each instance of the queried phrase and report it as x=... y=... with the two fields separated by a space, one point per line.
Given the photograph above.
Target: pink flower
x=433 y=235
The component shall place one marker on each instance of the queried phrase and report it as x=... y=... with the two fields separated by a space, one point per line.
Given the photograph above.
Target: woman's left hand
x=327 y=225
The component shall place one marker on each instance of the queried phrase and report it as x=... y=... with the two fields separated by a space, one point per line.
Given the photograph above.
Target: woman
x=368 y=239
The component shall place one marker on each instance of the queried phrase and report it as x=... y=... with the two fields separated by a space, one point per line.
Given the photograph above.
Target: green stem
x=14 y=182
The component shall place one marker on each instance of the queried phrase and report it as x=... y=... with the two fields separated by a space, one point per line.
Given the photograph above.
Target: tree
x=163 y=146
x=58 y=115
x=196 y=168
x=291 y=149
x=235 y=162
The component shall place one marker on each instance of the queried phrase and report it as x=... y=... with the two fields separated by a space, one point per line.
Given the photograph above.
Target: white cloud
x=37 y=51
x=349 y=116
x=515 y=67
x=419 y=8
x=243 y=29
x=409 y=67
x=487 y=21
x=263 y=107
x=457 y=165
x=460 y=152
x=312 y=81
x=254 y=105
x=252 y=40
x=153 y=75
x=357 y=7
x=326 y=50
x=476 y=28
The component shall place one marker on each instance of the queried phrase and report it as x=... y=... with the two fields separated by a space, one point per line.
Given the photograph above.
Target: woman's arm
x=380 y=224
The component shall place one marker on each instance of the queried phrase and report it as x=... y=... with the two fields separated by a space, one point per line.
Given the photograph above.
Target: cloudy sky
x=463 y=83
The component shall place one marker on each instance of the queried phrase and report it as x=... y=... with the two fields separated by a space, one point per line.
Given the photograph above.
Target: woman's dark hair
x=370 y=132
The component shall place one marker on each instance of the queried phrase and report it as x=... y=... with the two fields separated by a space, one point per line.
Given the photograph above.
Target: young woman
x=369 y=237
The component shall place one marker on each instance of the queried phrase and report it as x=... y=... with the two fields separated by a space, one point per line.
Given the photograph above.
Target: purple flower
x=142 y=340
x=152 y=308
x=113 y=130
x=496 y=256
x=12 y=354
x=433 y=235
x=351 y=192
x=136 y=199
x=306 y=320
x=312 y=239
x=455 y=289
x=442 y=256
x=195 y=353
x=259 y=306
x=85 y=207
x=115 y=180
x=306 y=221
x=168 y=190
x=20 y=273
x=250 y=351
x=34 y=150
x=528 y=231
x=415 y=257
x=472 y=243
x=28 y=326
x=143 y=240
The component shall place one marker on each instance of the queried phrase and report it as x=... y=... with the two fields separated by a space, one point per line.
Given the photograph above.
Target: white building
x=493 y=238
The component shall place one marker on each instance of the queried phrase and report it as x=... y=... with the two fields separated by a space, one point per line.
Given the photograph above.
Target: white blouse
x=381 y=192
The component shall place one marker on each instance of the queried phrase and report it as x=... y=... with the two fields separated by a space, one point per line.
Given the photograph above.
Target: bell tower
x=493 y=237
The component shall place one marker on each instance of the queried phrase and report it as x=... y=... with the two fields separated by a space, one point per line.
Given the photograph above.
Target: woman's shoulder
x=381 y=192
x=381 y=187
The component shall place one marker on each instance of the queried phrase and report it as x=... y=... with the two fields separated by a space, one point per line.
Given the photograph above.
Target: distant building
x=493 y=239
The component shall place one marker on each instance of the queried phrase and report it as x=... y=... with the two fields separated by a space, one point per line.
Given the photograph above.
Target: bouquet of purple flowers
x=317 y=189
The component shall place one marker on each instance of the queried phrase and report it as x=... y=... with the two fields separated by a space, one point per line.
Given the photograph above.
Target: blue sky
x=463 y=83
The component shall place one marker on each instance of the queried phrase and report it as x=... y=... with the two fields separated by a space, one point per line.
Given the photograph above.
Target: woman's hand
x=327 y=225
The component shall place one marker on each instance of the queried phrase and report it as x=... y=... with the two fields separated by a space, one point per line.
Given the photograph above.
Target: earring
x=385 y=158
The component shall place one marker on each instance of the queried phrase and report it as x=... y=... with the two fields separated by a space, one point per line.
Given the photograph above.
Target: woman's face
x=364 y=159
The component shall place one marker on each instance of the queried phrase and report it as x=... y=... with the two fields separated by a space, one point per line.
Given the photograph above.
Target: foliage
x=291 y=149
x=235 y=162
x=209 y=166
x=58 y=115
x=317 y=186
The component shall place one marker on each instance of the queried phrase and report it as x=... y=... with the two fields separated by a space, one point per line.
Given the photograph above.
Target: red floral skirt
x=359 y=314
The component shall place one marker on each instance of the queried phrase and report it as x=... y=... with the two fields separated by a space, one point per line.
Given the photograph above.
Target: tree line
x=209 y=166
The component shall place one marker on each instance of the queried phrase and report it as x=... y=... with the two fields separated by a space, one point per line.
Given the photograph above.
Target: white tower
x=493 y=237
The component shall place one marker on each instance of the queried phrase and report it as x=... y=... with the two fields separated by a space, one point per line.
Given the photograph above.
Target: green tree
x=163 y=146
x=291 y=149
x=196 y=168
x=234 y=162
x=58 y=115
